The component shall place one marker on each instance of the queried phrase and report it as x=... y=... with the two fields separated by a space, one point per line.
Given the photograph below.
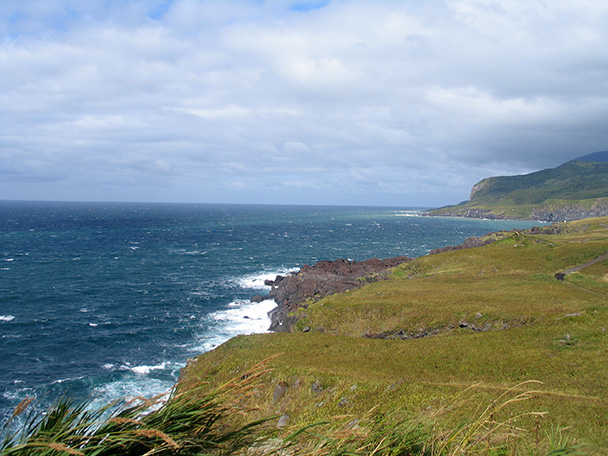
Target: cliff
x=312 y=283
x=575 y=190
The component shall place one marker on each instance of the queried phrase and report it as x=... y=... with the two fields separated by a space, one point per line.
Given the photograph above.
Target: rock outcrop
x=319 y=280
x=570 y=212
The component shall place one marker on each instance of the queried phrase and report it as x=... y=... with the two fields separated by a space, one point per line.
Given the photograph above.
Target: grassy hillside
x=493 y=316
x=480 y=351
x=570 y=191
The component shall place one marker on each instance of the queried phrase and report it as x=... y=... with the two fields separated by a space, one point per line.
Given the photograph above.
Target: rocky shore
x=319 y=280
x=556 y=213
x=311 y=283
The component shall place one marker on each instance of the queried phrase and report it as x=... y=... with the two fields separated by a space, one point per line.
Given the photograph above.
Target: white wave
x=240 y=317
x=170 y=368
x=145 y=370
x=142 y=386
x=7 y=317
x=256 y=280
x=408 y=213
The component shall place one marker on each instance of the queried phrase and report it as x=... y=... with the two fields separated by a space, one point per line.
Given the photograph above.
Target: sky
x=337 y=102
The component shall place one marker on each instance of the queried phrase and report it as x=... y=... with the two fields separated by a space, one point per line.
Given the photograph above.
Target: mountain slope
x=575 y=190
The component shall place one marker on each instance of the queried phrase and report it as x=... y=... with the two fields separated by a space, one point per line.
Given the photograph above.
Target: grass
x=189 y=422
x=493 y=315
x=445 y=358
x=197 y=422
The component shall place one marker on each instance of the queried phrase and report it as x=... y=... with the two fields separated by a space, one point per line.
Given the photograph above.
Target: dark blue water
x=111 y=299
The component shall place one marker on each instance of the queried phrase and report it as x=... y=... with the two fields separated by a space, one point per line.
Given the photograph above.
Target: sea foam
x=239 y=317
x=256 y=281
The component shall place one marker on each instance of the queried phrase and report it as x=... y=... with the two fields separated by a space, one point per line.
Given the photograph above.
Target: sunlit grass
x=494 y=315
x=459 y=330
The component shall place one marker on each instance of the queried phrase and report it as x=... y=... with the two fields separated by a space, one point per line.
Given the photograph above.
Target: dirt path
x=562 y=275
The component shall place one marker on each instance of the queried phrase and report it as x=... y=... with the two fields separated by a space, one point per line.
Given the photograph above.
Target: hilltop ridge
x=575 y=190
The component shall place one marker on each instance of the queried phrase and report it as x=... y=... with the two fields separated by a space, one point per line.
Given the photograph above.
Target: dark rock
x=316 y=387
x=279 y=391
x=319 y=280
x=283 y=420
x=258 y=298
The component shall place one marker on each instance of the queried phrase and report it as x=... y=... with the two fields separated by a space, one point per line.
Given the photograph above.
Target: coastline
x=312 y=283
x=151 y=292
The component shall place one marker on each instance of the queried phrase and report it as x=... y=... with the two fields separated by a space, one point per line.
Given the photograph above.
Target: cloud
x=341 y=102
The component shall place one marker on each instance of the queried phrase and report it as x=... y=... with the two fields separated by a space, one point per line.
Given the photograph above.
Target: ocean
x=109 y=300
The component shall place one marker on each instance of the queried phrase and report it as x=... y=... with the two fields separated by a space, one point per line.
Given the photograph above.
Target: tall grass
x=193 y=421
x=491 y=430
x=188 y=422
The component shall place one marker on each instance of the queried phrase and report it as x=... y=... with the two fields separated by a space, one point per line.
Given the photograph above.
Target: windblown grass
x=190 y=422
x=202 y=423
x=491 y=430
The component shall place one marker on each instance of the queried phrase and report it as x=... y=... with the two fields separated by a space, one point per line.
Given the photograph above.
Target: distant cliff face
x=572 y=212
x=477 y=188
x=575 y=190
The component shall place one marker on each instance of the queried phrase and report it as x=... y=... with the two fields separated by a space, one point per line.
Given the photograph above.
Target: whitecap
x=94 y=325
x=408 y=213
x=240 y=317
x=7 y=317
x=136 y=386
x=144 y=370
x=257 y=279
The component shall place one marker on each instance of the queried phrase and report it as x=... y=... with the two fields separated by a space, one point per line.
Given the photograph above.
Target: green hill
x=575 y=190
x=411 y=346
x=494 y=350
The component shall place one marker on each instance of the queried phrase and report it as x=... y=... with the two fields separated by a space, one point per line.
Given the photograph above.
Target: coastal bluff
x=313 y=282
x=483 y=321
x=575 y=190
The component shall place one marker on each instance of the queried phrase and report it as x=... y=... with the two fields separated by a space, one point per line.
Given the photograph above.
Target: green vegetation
x=189 y=422
x=570 y=191
x=469 y=352
x=493 y=316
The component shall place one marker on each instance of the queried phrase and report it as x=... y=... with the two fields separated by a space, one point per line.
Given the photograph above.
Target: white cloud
x=307 y=102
